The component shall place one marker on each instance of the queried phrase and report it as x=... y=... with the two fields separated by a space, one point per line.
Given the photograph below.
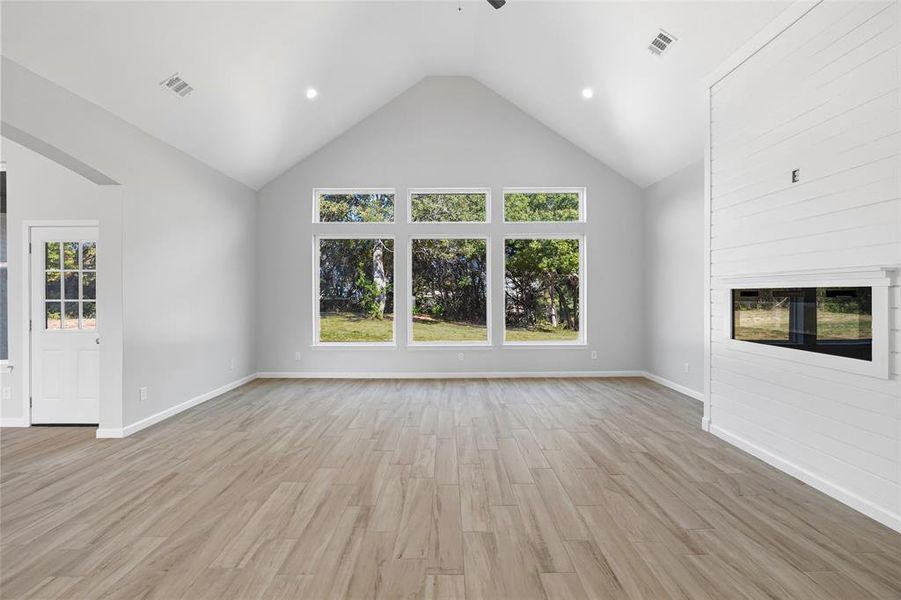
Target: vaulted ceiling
x=252 y=62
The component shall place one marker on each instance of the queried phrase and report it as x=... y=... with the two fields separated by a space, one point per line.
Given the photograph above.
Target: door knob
x=97 y=341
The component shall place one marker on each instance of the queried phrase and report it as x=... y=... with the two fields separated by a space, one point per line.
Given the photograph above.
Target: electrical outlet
x=594 y=355
x=6 y=392
x=459 y=356
x=142 y=394
x=686 y=367
x=297 y=356
x=231 y=365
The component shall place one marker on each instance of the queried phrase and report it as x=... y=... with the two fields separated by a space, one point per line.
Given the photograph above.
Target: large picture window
x=355 y=290
x=445 y=240
x=826 y=320
x=543 y=290
x=449 y=291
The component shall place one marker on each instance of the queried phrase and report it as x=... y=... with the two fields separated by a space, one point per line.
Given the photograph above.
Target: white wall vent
x=177 y=85
x=661 y=43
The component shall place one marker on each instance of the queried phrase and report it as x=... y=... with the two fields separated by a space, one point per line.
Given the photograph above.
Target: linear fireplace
x=825 y=320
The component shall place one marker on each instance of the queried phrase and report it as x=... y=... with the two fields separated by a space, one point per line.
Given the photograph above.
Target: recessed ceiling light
x=311 y=93
x=588 y=93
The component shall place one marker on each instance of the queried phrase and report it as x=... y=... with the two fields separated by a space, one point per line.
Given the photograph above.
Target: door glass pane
x=88 y=255
x=71 y=317
x=70 y=255
x=52 y=255
x=52 y=316
x=88 y=315
x=89 y=286
x=52 y=285
x=71 y=290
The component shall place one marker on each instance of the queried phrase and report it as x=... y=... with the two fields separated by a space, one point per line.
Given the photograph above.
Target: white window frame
x=317 y=342
x=360 y=190
x=879 y=280
x=583 y=192
x=582 y=340
x=488 y=286
x=449 y=190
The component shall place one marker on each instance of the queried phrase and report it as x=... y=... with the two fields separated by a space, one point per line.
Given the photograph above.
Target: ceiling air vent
x=177 y=85
x=661 y=43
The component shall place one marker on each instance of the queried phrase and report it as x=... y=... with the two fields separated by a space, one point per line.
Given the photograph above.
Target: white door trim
x=27 y=226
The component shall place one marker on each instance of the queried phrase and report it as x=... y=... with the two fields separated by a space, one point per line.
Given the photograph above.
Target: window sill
x=544 y=345
x=449 y=345
x=353 y=345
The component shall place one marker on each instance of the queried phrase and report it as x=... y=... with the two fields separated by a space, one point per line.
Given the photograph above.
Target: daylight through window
x=440 y=250
x=449 y=290
x=542 y=290
x=356 y=290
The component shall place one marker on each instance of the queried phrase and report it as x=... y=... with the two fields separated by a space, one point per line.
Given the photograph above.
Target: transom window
x=353 y=206
x=554 y=205
x=70 y=285
x=449 y=206
x=441 y=253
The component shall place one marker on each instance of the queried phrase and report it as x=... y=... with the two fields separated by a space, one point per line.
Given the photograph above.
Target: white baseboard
x=174 y=410
x=699 y=396
x=441 y=375
x=878 y=513
x=13 y=422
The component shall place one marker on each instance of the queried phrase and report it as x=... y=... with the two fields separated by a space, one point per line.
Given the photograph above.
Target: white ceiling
x=251 y=63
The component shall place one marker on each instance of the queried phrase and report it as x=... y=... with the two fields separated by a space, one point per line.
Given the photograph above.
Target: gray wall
x=188 y=247
x=449 y=131
x=674 y=277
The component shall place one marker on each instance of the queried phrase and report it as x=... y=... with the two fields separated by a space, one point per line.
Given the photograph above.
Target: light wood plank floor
x=437 y=489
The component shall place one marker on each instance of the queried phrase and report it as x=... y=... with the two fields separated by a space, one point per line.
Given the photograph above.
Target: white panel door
x=65 y=340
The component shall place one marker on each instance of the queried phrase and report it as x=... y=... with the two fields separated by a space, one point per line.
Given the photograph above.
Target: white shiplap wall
x=821 y=96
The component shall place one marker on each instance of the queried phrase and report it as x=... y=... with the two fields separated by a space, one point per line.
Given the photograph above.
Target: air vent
x=661 y=43
x=177 y=85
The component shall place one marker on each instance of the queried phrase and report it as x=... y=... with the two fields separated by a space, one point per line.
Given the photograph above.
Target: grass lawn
x=559 y=334
x=760 y=324
x=350 y=327
x=426 y=329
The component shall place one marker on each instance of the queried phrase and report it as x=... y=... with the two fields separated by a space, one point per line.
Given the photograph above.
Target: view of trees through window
x=356 y=290
x=445 y=266
x=522 y=207
x=541 y=290
x=450 y=207
x=449 y=285
x=353 y=207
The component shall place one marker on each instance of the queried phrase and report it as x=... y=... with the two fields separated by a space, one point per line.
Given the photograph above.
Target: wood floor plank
x=495 y=489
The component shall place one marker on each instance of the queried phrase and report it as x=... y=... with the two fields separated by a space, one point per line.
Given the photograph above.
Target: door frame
x=27 y=226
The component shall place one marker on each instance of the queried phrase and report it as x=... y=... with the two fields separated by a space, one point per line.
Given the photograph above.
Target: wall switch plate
x=459 y=356
x=297 y=356
x=796 y=175
x=142 y=394
x=231 y=365
x=7 y=393
x=594 y=355
x=686 y=367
